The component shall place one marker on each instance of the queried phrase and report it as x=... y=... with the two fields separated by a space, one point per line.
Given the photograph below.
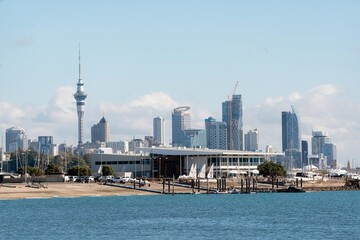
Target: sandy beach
x=21 y=191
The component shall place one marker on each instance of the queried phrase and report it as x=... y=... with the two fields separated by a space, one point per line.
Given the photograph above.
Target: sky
x=141 y=59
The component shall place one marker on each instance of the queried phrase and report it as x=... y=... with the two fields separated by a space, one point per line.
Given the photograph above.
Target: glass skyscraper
x=232 y=114
x=291 y=145
x=15 y=139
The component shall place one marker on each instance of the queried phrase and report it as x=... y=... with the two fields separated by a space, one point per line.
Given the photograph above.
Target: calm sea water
x=313 y=215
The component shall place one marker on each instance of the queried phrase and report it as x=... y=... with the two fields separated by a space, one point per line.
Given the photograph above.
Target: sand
x=20 y=191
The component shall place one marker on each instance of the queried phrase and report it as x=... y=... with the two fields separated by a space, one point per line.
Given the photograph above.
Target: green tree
x=107 y=171
x=80 y=171
x=35 y=171
x=53 y=168
x=75 y=161
x=271 y=170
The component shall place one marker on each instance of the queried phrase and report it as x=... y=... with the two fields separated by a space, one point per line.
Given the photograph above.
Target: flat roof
x=181 y=151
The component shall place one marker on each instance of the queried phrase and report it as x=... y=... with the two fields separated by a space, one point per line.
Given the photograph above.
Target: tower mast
x=80 y=97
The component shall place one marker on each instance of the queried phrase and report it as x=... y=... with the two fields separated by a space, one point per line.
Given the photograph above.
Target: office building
x=15 y=139
x=291 y=138
x=159 y=131
x=100 y=132
x=194 y=138
x=232 y=115
x=331 y=154
x=252 y=140
x=304 y=152
x=216 y=134
x=180 y=123
x=46 y=146
x=318 y=140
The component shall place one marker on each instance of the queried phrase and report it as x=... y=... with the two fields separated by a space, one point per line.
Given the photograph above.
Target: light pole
x=26 y=162
x=101 y=167
x=65 y=167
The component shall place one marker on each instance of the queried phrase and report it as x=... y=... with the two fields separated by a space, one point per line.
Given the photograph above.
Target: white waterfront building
x=170 y=161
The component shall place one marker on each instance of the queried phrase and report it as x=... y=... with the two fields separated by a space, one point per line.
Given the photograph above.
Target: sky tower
x=80 y=96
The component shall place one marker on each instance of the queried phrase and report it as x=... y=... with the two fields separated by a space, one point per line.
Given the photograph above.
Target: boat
x=290 y=189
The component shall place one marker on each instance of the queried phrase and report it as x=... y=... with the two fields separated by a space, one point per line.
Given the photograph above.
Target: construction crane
x=231 y=143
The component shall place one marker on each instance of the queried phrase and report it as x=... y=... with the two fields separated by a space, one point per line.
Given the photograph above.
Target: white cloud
x=134 y=119
x=321 y=108
x=326 y=89
x=270 y=101
x=53 y=118
x=294 y=97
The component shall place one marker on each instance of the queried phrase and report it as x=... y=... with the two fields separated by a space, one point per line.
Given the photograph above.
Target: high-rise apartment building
x=233 y=116
x=46 y=145
x=304 y=152
x=291 y=138
x=290 y=131
x=15 y=139
x=321 y=145
x=216 y=134
x=100 y=132
x=318 y=140
x=252 y=140
x=180 y=123
x=80 y=97
x=331 y=154
x=159 y=131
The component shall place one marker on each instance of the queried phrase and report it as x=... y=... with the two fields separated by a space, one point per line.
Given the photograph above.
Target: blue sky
x=140 y=59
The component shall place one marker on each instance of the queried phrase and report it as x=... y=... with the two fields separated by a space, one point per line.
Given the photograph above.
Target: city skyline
x=146 y=59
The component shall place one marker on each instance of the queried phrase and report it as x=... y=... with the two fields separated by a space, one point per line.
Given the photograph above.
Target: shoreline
x=64 y=190
x=14 y=191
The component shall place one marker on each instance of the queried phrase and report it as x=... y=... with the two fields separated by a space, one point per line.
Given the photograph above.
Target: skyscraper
x=304 y=152
x=100 y=132
x=45 y=144
x=321 y=146
x=331 y=154
x=216 y=134
x=180 y=122
x=252 y=140
x=318 y=140
x=233 y=116
x=15 y=139
x=80 y=97
x=291 y=138
x=290 y=131
x=159 y=131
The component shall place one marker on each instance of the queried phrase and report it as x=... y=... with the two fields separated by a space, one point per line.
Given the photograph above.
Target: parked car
x=115 y=180
x=72 y=178
x=105 y=178
x=125 y=179
x=89 y=179
x=80 y=179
